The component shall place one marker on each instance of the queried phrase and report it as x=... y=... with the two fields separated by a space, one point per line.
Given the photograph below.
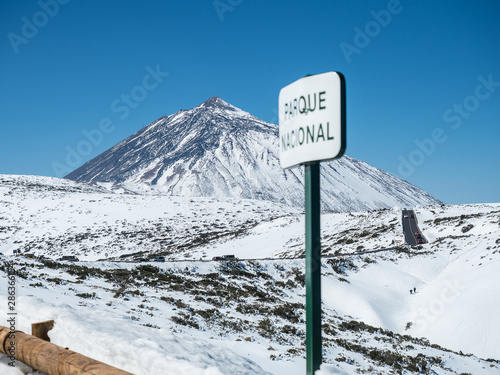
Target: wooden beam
x=50 y=358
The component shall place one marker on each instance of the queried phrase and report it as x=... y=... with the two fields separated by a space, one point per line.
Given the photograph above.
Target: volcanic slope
x=218 y=150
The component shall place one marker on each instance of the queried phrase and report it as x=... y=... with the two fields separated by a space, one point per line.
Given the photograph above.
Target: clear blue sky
x=422 y=77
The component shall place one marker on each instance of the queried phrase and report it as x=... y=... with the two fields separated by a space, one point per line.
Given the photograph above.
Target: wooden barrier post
x=40 y=329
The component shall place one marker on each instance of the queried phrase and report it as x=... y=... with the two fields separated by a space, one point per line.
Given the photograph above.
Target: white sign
x=312 y=119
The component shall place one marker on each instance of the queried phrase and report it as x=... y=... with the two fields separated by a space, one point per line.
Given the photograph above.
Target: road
x=410 y=227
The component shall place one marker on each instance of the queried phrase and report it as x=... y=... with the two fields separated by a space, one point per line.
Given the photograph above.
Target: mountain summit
x=216 y=102
x=219 y=150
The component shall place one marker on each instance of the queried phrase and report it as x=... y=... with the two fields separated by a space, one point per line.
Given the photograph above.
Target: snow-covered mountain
x=218 y=150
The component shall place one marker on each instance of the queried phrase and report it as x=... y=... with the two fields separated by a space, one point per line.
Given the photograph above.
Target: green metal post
x=313 y=268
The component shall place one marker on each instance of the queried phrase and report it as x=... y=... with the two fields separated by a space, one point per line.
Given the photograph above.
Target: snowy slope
x=202 y=318
x=368 y=281
x=218 y=150
x=56 y=217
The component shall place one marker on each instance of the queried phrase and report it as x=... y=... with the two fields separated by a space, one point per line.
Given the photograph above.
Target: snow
x=139 y=350
x=456 y=277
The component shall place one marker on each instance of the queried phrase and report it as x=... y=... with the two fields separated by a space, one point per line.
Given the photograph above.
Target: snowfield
x=190 y=315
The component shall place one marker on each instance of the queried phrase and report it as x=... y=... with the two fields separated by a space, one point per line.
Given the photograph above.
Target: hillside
x=208 y=318
x=197 y=316
x=218 y=150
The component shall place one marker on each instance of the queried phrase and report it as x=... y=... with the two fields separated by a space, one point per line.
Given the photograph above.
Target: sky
x=422 y=78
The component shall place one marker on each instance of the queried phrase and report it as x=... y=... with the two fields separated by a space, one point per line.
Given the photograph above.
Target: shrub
x=341 y=265
x=167 y=299
x=208 y=314
x=87 y=295
x=55 y=280
x=288 y=311
x=288 y=330
x=185 y=321
x=266 y=328
x=467 y=228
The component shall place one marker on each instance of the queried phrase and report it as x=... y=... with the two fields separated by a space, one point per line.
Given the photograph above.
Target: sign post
x=311 y=129
x=313 y=267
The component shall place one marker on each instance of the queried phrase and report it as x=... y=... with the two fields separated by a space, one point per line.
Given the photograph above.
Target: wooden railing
x=49 y=358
